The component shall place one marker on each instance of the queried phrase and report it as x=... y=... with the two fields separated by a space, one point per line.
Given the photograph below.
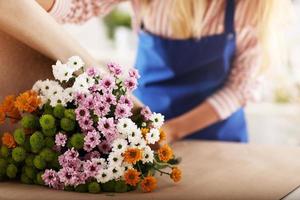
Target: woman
x=198 y=59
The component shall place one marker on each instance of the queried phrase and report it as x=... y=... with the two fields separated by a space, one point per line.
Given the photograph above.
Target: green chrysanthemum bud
x=121 y=186
x=3 y=166
x=11 y=171
x=67 y=124
x=19 y=136
x=70 y=114
x=108 y=186
x=4 y=151
x=77 y=141
x=81 y=188
x=47 y=154
x=39 y=162
x=47 y=122
x=29 y=160
x=69 y=188
x=39 y=179
x=30 y=172
x=25 y=179
x=49 y=132
x=29 y=122
x=94 y=187
x=58 y=111
x=36 y=141
x=19 y=154
x=49 y=142
x=26 y=144
x=48 y=109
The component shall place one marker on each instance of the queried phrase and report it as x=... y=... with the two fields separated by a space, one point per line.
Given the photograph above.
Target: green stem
x=162 y=172
x=163 y=164
x=139 y=167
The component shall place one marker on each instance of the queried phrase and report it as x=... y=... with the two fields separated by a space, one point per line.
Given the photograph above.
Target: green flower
x=67 y=124
x=4 y=151
x=49 y=132
x=47 y=121
x=48 y=109
x=39 y=162
x=3 y=165
x=94 y=187
x=70 y=114
x=39 y=179
x=59 y=111
x=121 y=186
x=19 y=154
x=29 y=160
x=47 y=154
x=108 y=186
x=49 y=142
x=19 y=136
x=77 y=141
x=29 y=122
x=11 y=171
x=25 y=179
x=27 y=145
x=30 y=172
x=36 y=141
x=81 y=188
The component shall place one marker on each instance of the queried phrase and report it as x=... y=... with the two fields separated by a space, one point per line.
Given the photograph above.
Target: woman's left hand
x=172 y=134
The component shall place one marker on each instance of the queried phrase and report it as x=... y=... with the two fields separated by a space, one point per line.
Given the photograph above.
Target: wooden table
x=212 y=170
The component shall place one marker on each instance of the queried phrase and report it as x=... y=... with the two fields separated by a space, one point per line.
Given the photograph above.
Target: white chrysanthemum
x=62 y=72
x=148 y=155
x=139 y=143
x=69 y=94
x=124 y=126
x=157 y=120
x=46 y=87
x=115 y=159
x=37 y=86
x=82 y=83
x=117 y=171
x=153 y=136
x=127 y=166
x=119 y=145
x=104 y=175
x=135 y=135
x=100 y=161
x=75 y=62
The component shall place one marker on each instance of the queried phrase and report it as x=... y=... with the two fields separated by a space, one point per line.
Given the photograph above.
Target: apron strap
x=229 y=16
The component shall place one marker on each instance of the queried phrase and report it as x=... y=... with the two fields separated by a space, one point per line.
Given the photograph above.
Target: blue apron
x=177 y=75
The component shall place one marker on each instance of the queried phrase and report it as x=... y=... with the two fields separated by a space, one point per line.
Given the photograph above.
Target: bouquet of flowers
x=83 y=133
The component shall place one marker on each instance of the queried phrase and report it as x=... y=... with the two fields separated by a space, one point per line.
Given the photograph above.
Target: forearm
x=198 y=118
x=28 y=22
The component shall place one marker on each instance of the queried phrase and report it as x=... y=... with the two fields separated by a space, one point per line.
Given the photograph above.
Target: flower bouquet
x=83 y=133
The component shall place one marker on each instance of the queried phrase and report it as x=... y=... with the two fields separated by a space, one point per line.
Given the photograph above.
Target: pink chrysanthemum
x=101 y=109
x=106 y=125
x=130 y=84
x=108 y=83
x=146 y=112
x=104 y=147
x=114 y=68
x=60 y=139
x=122 y=111
x=134 y=73
x=126 y=100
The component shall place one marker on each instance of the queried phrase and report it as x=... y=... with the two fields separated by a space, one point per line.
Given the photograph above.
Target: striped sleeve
x=242 y=81
x=80 y=11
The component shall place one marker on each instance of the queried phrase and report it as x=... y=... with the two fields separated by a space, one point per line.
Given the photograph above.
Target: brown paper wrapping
x=212 y=170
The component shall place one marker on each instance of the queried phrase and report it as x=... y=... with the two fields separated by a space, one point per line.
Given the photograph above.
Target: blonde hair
x=268 y=15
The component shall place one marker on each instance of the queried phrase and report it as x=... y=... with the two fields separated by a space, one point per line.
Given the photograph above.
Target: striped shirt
x=242 y=80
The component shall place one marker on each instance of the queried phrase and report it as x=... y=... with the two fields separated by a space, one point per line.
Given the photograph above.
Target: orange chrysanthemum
x=28 y=101
x=165 y=153
x=132 y=155
x=149 y=184
x=132 y=177
x=2 y=115
x=8 y=140
x=9 y=109
x=176 y=174
x=144 y=131
x=162 y=135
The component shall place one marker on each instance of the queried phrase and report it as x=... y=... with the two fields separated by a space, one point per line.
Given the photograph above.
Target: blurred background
x=274 y=119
